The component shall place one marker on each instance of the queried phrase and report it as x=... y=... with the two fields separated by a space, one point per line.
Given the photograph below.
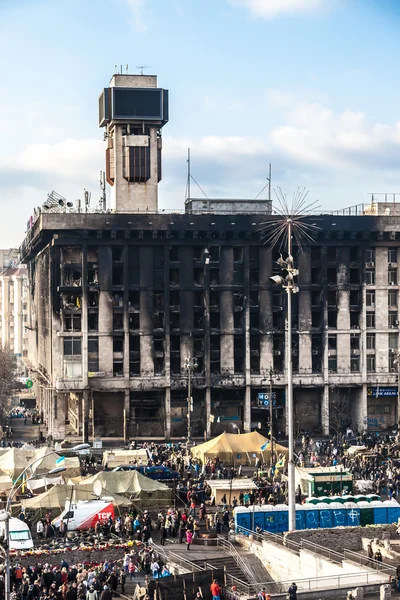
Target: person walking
x=189 y=538
x=215 y=590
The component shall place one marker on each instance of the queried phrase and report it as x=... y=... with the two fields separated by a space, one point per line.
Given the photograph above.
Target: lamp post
x=6 y=515
x=286 y=281
x=190 y=365
x=396 y=362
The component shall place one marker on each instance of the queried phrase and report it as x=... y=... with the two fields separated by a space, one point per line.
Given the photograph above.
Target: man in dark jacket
x=106 y=593
x=292 y=591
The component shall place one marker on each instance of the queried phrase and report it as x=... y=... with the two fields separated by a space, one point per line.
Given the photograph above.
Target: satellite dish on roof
x=97 y=488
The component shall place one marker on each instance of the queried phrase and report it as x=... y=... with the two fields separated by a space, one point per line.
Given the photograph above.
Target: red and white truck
x=84 y=514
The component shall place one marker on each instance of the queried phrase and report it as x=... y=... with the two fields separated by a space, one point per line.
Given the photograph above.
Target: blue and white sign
x=263 y=399
x=379 y=392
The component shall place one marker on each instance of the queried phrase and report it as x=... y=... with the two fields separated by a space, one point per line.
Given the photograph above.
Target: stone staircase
x=233 y=568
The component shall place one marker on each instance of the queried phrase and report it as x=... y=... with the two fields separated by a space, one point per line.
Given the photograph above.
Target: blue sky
x=309 y=85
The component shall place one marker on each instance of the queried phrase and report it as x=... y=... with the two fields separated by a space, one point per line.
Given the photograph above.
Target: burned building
x=121 y=299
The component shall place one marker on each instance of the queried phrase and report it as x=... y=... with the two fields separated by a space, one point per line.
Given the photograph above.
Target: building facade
x=119 y=302
x=14 y=306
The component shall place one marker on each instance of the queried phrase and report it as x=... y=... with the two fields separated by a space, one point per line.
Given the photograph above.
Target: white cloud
x=269 y=9
x=136 y=8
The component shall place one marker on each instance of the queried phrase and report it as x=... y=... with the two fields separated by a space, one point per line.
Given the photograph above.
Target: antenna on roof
x=103 y=198
x=126 y=69
x=268 y=184
x=142 y=67
x=188 y=175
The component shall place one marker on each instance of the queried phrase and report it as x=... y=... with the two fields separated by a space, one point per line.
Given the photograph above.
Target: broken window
x=93 y=299
x=118 y=344
x=134 y=321
x=72 y=277
x=117 y=300
x=174 y=253
x=332 y=318
x=118 y=321
x=316 y=298
x=93 y=354
x=331 y=254
x=254 y=301
x=215 y=300
x=93 y=321
x=277 y=300
x=354 y=320
x=134 y=355
x=158 y=300
x=159 y=364
x=253 y=255
x=174 y=299
x=198 y=276
x=134 y=299
x=332 y=298
x=158 y=320
x=72 y=322
x=355 y=341
x=72 y=301
x=354 y=254
x=214 y=276
x=277 y=320
x=254 y=320
x=253 y=276
x=93 y=276
x=315 y=254
x=198 y=320
x=174 y=276
x=392 y=255
x=316 y=354
x=198 y=300
x=332 y=364
x=214 y=253
x=118 y=274
x=354 y=298
x=332 y=342
x=354 y=275
x=316 y=319
x=117 y=253
x=215 y=357
x=176 y=365
x=238 y=320
x=331 y=275
x=316 y=276
x=238 y=253
x=198 y=253
x=214 y=320
x=174 y=320
x=118 y=367
x=133 y=265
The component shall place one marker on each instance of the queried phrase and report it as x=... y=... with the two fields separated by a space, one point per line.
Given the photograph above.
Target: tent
x=237 y=449
x=141 y=490
x=114 y=458
x=57 y=495
x=230 y=488
x=15 y=460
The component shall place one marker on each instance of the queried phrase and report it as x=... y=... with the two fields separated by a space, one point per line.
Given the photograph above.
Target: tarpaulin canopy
x=130 y=484
x=237 y=449
x=57 y=495
x=15 y=460
x=115 y=458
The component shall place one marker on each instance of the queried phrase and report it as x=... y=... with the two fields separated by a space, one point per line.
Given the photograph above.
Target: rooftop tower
x=133 y=111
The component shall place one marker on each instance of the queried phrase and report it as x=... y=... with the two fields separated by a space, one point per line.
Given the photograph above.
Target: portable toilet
x=312 y=500
x=257 y=517
x=393 y=511
x=311 y=516
x=242 y=518
x=352 y=514
x=283 y=517
x=325 y=515
x=300 y=516
x=338 y=514
x=360 y=498
x=379 y=512
x=372 y=497
x=366 y=513
x=349 y=498
x=271 y=522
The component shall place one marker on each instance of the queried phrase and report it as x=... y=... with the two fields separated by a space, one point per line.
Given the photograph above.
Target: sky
x=311 y=86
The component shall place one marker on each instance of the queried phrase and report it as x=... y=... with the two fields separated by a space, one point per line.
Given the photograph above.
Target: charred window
x=215 y=354
x=134 y=356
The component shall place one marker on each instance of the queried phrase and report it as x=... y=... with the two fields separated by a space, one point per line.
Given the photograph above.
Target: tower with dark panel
x=133 y=111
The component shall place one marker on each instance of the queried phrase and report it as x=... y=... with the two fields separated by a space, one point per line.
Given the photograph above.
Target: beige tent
x=115 y=458
x=132 y=484
x=229 y=488
x=15 y=460
x=55 y=498
x=237 y=449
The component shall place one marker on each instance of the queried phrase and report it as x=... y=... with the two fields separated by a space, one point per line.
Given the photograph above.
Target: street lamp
x=189 y=365
x=286 y=281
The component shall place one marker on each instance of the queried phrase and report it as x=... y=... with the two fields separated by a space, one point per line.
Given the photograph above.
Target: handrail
x=360 y=559
x=230 y=548
x=177 y=559
x=269 y=536
x=332 y=555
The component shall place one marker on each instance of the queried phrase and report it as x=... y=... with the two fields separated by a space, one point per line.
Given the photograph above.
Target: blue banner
x=379 y=392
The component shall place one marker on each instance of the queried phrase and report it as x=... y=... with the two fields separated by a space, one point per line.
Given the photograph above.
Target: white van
x=85 y=513
x=20 y=535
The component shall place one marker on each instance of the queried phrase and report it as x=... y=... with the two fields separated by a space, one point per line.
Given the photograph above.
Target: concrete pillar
x=146 y=312
x=5 y=308
x=85 y=416
x=168 y=412
x=18 y=317
x=226 y=311
x=208 y=411
x=247 y=410
x=105 y=310
x=325 y=410
x=127 y=414
x=265 y=309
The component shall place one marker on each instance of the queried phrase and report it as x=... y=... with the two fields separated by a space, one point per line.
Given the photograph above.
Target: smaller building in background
x=14 y=306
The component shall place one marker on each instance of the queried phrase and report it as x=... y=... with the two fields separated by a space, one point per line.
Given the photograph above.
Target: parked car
x=159 y=473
